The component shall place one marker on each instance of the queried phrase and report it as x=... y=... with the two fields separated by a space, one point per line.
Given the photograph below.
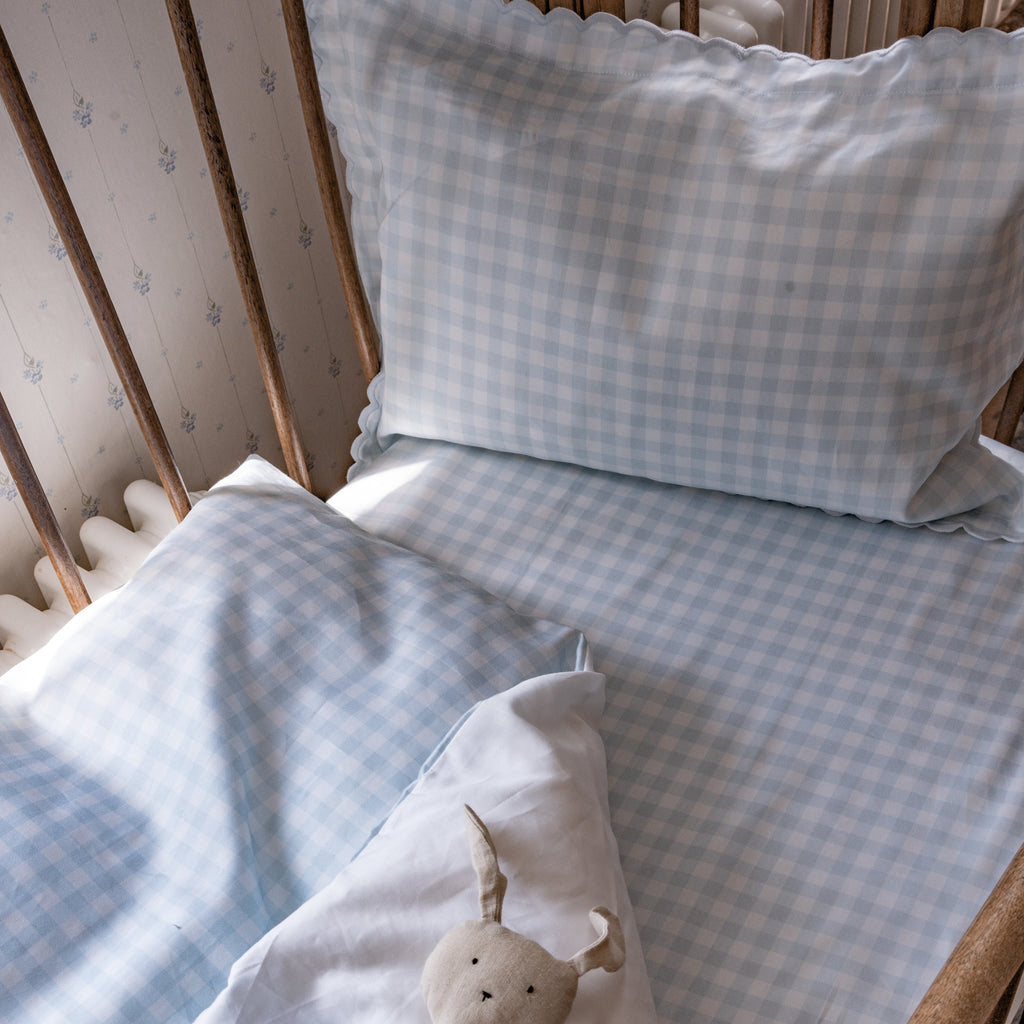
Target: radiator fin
x=113 y=551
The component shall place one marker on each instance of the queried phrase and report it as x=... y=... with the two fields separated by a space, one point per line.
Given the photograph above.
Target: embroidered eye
x=530 y=989
x=475 y=960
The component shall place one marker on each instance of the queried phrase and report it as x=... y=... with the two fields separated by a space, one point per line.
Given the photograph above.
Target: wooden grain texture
x=616 y=7
x=916 y=17
x=958 y=14
x=689 y=16
x=821 y=29
x=186 y=38
x=1002 y=1010
x=1013 y=408
x=981 y=968
x=80 y=255
x=363 y=326
x=40 y=510
x=1014 y=20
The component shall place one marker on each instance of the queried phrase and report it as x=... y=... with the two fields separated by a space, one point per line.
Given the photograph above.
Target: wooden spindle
x=958 y=14
x=40 y=511
x=616 y=7
x=689 y=16
x=916 y=17
x=821 y=29
x=980 y=969
x=186 y=37
x=330 y=191
x=1013 y=408
x=80 y=255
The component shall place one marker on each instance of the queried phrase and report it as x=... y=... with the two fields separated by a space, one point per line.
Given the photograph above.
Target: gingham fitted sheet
x=815 y=724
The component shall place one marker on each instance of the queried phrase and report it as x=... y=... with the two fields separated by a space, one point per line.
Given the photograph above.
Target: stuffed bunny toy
x=483 y=973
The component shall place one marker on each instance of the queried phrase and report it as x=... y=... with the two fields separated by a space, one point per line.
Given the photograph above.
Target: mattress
x=814 y=723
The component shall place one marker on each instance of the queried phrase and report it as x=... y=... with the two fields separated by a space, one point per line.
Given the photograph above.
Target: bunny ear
x=608 y=950
x=485 y=859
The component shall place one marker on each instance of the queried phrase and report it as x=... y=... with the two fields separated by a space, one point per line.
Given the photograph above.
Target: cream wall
x=105 y=80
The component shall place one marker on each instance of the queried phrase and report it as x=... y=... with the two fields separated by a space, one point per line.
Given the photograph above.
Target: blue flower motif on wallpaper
x=188 y=420
x=213 y=312
x=82 y=112
x=305 y=234
x=268 y=78
x=7 y=488
x=90 y=506
x=279 y=340
x=115 y=397
x=33 y=371
x=334 y=366
x=141 y=282
x=56 y=247
x=167 y=157
x=252 y=442
x=243 y=199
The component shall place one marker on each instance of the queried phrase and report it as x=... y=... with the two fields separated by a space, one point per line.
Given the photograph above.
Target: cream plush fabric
x=484 y=973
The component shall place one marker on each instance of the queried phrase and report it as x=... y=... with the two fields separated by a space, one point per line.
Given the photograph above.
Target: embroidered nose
x=487 y=995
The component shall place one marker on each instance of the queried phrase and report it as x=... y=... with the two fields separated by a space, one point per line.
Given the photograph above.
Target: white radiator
x=114 y=553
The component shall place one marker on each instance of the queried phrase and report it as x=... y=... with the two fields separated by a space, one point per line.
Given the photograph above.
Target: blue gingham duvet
x=815 y=725
x=198 y=753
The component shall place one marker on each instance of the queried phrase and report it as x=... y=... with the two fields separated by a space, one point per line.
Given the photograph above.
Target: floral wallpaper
x=105 y=80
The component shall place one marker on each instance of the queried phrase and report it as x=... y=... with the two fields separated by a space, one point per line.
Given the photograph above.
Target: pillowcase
x=208 y=745
x=531 y=763
x=628 y=249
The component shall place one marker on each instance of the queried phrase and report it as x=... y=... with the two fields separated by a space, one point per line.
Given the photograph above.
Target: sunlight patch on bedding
x=363 y=494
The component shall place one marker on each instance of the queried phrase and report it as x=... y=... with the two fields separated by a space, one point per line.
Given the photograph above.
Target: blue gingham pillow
x=628 y=249
x=210 y=744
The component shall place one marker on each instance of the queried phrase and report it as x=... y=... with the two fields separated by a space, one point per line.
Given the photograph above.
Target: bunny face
x=483 y=973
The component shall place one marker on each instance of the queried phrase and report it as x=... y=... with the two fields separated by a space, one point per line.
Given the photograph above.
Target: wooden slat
x=1013 y=408
x=80 y=254
x=1002 y=1011
x=916 y=17
x=40 y=510
x=1014 y=20
x=969 y=987
x=689 y=16
x=186 y=38
x=616 y=7
x=958 y=14
x=821 y=29
x=330 y=191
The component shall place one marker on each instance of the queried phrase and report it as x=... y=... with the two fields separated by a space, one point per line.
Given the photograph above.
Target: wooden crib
x=980 y=978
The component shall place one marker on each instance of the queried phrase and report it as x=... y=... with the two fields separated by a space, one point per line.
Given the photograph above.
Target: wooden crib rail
x=330 y=189
x=977 y=983
x=920 y=16
x=186 y=38
x=1012 y=408
x=40 y=511
x=80 y=254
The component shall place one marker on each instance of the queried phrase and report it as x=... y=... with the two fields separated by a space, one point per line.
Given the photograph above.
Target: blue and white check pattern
x=814 y=725
x=213 y=742
x=611 y=246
